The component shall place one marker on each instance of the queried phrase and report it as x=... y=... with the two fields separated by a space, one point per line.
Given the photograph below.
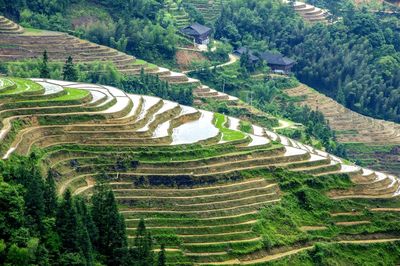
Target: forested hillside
x=137 y=27
x=354 y=60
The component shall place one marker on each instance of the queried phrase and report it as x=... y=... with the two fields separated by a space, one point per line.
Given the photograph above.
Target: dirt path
x=313 y=228
x=352 y=223
x=232 y=59
x=385 y=209
x=90 y=183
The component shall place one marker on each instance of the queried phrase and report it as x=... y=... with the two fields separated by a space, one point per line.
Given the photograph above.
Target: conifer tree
x=49 y=195
x=69 y=70
x=84 y=238
x=67 y=224
x=162 y=260
x=44 y=68
x=143 y=246
x=112 y=239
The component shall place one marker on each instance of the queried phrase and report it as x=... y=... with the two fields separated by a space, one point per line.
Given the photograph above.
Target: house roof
x=276 y=59
x=243 y=50
x=196 y=29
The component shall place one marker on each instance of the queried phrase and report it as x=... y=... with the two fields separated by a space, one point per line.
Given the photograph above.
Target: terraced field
x=211 y=9
x=350 y=126
x=32 y=43
x=180 y=16
x=309 y=12
x=179 y=167
x=372 y=142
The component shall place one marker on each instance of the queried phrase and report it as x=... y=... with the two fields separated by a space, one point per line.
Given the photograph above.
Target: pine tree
x=69 y=70
x=84 y=240
x=34 y=200
x=162 y=260
x=143 y=245
x=50 y=197
x=67 y=224
x=44 y=68
x=87 y=218
x=112 y=239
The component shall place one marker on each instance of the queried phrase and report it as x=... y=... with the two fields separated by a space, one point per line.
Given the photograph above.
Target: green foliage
x=227 y=134
x=354 y=60
x=110 y=225
x=35 y=229
x=142 y=252
x=44 y=68
x=162 y=260
x=245 y=127
x=152 y=85
x=69 y=70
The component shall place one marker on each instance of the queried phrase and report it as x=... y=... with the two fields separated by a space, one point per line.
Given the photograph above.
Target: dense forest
x=354 y=60
x=38 y=228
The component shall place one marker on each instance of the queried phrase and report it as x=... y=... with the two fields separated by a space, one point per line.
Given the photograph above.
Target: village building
x=199 y=33
x=276 y=61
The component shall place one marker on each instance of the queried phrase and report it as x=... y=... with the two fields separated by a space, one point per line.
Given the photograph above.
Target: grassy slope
x=227 y=134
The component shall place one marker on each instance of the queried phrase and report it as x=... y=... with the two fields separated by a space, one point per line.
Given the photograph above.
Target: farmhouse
x=253 y=59
x=199 y=33
x=276 y=61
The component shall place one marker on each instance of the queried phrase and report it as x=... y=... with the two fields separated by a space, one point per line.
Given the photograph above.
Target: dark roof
x=196 y=29
x=243 y=50
x=276 y=59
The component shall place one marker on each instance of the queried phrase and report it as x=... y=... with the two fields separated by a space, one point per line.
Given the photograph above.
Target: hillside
x=199 y=182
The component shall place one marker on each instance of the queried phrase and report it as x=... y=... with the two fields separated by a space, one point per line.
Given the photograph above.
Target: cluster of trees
x=101 y=73
x=136 y=27
x=69 y=71
x=37 y=228
x=148 y=84
x=96 y=72
x=141 y=37
x=355 y=60
x=266 y=94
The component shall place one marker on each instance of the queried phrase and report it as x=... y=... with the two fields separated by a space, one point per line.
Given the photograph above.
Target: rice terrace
x=111 y=154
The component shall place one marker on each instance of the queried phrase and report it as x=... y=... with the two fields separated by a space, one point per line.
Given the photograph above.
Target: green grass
x=72 y=94
x=139 y=62
x=227 y=134
x=32 y=31
x=23 y=86
x=245 y=126
x=344 y=254
x=6 y=83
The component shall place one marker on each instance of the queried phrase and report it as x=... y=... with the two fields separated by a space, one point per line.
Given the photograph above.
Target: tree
x=162 y=260
x=143 y=250
x=67 y=224
x=112 y=239
x=11 y=209
x=44 y=68
x=49 y=195
x=69 y=70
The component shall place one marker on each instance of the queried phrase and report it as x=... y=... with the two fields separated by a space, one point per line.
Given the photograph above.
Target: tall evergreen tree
x=143 y=246
x=69 y=70
x=84 y=219
x=110 y=224
x=44 y=68
x=50 y=197
x=67 y=224
x=162 y=259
